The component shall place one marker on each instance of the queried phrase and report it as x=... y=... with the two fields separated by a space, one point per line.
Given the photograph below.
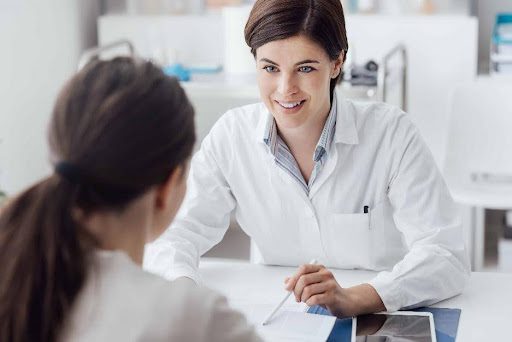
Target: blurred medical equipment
x=363 y=74
x=385 y=81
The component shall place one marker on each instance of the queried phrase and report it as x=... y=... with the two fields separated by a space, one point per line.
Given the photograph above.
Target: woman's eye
x=270 y=68
x=306 y=69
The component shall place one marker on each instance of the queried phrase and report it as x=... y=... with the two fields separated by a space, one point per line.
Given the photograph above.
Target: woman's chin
x=288 y=122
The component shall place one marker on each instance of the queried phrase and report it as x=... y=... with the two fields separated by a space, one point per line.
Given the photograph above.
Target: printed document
x=290 y=323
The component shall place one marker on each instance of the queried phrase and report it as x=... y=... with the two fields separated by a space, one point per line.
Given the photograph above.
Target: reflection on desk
x=485 y=310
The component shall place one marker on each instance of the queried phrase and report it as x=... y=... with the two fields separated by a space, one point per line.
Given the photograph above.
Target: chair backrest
x=480 y=134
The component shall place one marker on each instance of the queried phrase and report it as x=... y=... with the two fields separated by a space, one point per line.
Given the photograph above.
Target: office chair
x=478 y=164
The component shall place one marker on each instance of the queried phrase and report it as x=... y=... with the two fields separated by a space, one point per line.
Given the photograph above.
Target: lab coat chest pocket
x=349 y=241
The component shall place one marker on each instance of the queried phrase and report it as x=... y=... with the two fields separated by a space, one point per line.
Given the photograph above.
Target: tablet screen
x=383 y=327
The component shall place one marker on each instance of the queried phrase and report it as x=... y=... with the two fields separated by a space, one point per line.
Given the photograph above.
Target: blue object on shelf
x=184 y=73
x=178 y=71
x=502 y=19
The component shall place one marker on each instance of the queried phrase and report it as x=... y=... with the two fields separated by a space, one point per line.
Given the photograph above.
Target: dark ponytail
x=43 y=261
x=118 y=128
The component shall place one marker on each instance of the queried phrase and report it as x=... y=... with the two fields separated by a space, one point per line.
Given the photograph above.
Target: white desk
x=486 y=302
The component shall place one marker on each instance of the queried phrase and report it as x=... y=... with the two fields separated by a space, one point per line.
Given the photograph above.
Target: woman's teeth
x=290 y=104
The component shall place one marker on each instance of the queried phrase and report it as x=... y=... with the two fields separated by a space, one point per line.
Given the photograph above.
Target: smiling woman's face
x=294 y=76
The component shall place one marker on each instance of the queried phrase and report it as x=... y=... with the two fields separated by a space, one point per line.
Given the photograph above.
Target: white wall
x=40 y=43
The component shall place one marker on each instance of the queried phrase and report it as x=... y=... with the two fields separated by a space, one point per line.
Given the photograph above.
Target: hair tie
x=69 y=172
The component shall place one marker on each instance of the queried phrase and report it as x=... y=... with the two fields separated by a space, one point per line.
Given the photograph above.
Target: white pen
x=278 y=306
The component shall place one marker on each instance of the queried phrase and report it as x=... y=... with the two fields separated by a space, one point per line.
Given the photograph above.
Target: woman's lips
x=291 y=107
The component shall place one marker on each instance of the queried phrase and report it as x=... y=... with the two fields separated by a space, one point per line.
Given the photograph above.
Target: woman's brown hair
x=322 y=21
x=118 y=128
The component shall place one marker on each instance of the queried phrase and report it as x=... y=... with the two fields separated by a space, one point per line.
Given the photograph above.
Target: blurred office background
x=447 y=44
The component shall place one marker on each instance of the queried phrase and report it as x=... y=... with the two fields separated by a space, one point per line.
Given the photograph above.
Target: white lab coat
x=377 y=158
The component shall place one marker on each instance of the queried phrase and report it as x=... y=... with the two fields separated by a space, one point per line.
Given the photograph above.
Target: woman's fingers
x=289 y=283
x=304 y=269
x=312 y=290
x=315 y=285
x=304 y=281
x=318 y=299
x=323 y=276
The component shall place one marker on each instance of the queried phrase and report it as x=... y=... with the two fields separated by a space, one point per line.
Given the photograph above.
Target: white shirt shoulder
x=121 y=302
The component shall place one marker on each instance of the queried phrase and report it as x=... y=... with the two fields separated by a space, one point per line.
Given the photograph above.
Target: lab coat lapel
x=326 y=172
x=345 y=134
x=291 y=183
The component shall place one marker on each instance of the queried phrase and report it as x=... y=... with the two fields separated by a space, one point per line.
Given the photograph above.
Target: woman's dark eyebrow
x=306 y=61
x=268 y=61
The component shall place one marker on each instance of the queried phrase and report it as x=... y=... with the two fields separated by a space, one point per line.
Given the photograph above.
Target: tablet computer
x=388 y=326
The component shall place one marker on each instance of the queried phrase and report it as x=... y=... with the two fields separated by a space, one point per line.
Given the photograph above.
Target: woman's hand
x=316 y=285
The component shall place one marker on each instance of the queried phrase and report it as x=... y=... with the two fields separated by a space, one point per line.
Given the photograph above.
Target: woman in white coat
x=309 y=174
x=71 y=246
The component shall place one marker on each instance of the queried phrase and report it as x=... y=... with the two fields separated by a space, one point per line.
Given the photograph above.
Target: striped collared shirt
x=284 y=157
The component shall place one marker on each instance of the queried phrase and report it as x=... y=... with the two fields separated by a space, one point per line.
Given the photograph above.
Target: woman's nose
x=287 y=85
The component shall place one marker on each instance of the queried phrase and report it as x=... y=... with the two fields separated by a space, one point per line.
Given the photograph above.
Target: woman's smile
x=290 y=107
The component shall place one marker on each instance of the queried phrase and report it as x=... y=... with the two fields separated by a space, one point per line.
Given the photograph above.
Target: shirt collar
x=270 y=134
x=322 y=147
x=265 y=122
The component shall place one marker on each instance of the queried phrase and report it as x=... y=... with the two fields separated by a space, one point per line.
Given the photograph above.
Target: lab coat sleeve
x=203 y=217
x=436 y=266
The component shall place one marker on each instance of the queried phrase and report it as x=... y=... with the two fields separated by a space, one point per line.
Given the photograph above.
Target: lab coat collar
x=265 y=120
x=346 y=129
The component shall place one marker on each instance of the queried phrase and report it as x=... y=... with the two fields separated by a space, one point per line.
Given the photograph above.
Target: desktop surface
x=485 y=302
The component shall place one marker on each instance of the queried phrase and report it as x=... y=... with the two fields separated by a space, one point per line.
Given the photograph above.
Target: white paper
x=290 y=323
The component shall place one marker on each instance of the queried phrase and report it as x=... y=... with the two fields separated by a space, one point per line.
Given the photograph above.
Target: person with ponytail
x=71 y=246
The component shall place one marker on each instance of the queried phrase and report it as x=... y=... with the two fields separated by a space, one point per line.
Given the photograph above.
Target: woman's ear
x=164 y=190
x=338 y=65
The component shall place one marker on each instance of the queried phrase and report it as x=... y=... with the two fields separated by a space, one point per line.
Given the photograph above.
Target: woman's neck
x=303 y=139
x=124 y=231
x=302 y=143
